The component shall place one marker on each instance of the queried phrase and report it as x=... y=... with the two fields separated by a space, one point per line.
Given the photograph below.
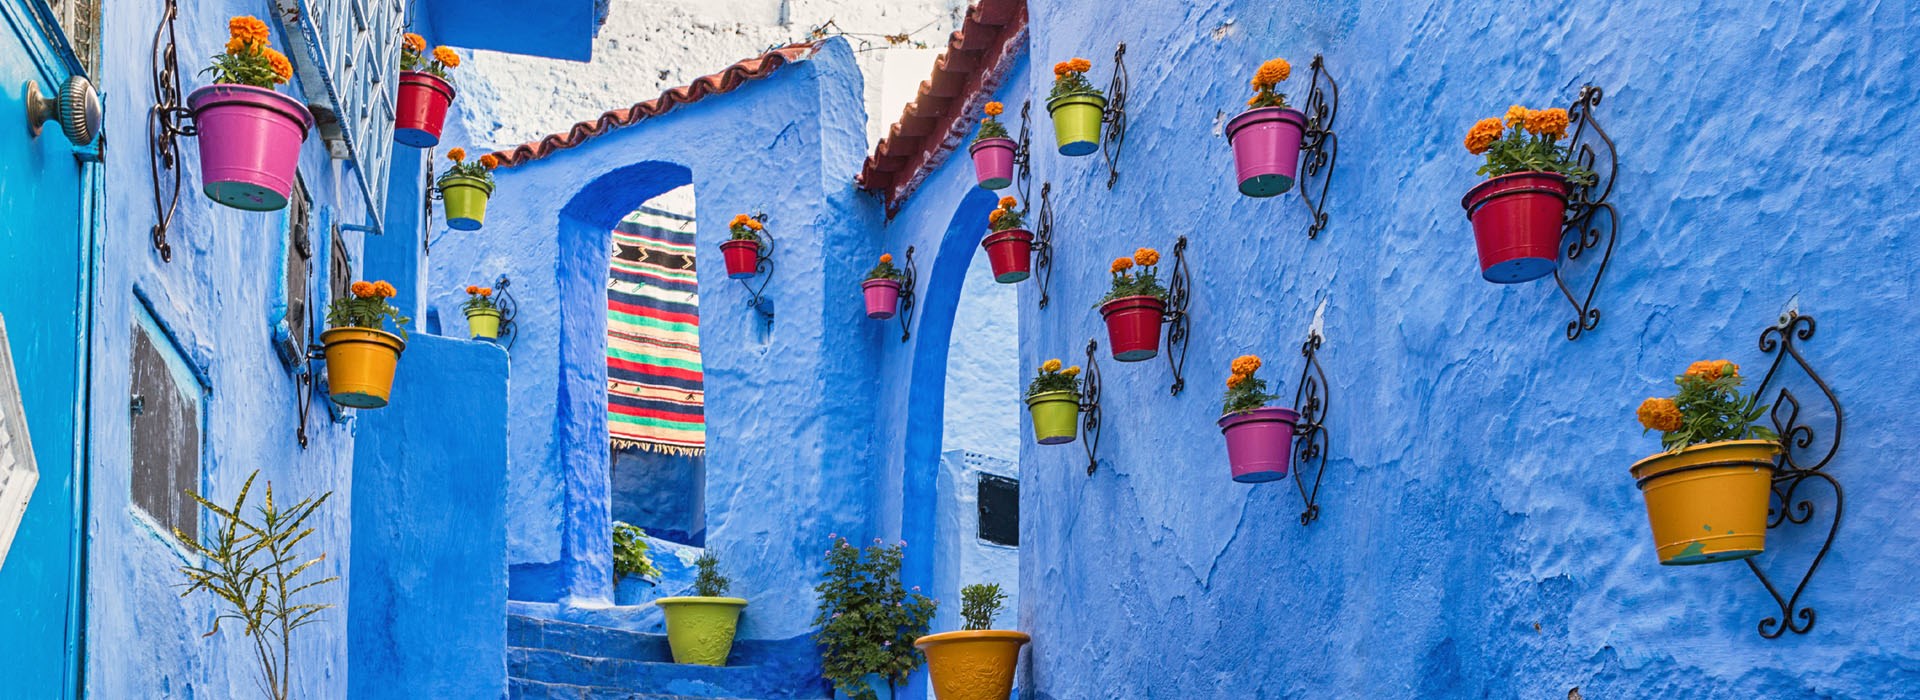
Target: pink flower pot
x=1517 y=220
x=1011 y=253
x=993 y=162
x=421 y=109
x=1133 y=327
x=249 y=144
x=743 y=258
x=883 y=298
x=1259 y=443
x=1266 y=149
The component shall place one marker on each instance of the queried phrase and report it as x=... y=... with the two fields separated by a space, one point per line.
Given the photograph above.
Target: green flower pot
x=484 y=323
x=466 y=201
x=700 y=630
x=1076 y=122
x=1056 y=414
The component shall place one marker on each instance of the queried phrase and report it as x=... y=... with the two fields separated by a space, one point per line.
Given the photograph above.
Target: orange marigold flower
x=1660 y=414
x=1061 y=69
x=1272 y=73
x=993 y=217
x=240 y=46
x=886 y=257
x=457 y=154
x=386 y=291
x=1073 y=371
x=282 y=68
x=1517 y=116
x=486 y=291
x=738 y=220
x=414 y=42
x=1234 y=381
x=1548 y=122
x=1147 y=257
x=1711 y=370
x=363 y=289
x=447 y=57
x=248 y=27
x=1246 y=364
x=755 y=224
x=1052 y=365
x=1079 y=65
x=1008 y=202
x=1482 y=135
x=994 y=109
x=490 y=161
x=1121 y=264
x=473 y=289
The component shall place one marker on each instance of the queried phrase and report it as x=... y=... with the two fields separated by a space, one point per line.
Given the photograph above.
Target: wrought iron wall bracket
x=167 y=121
x=1043 y=242
x=763 y=269
x=509 y=310
x=1023 y=157
x=1310 y=432
x=304 y=388
x=908 y=296
x=1115 y=118
x=1591 y=219
x=1090 y=406
x=1319 y=146
x=1792 y=469
x=1179 y=321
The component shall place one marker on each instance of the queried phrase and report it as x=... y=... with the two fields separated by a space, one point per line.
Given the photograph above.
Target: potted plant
x=992 y=151
x=1078 y=108
x=868 y=621
x=483 y=313
x=742 y=251
x=882 y=289
x=976 y=663
x=465 y=189
x=1266 y=138
x=1259 y=437
x=700 y=627
x=250 y=134
x=1053 y=397
x=361 y=354
x=1135 y=307
x=633 y=570
x=1009 y=245
x=1708 y=493
x=425 y=92
x=1518 y=212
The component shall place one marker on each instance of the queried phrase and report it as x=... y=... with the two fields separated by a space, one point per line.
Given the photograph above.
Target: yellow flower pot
x=360 y=364
x=1708 y=503
x=972 y=665
x=700 y=629
x=483 y=323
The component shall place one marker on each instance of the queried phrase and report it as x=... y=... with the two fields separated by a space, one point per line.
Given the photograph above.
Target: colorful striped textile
x=655 y=396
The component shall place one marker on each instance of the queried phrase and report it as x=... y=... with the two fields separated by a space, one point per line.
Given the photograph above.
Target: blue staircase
x=555 y=660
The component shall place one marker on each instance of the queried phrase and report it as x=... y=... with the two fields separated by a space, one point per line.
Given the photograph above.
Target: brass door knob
x=77 y=108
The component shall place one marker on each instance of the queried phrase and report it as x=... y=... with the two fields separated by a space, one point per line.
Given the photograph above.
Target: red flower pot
x=1517 y=220
x=421 y=110
x=743 y=258
x=1133 y=327
x=993 y=162
x=1011 y=252
x=883 y=298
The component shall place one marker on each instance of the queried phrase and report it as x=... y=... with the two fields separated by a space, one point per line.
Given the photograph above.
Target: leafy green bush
x=709 y=583
x=979 y=603
x=630 y=553
x=868 y=621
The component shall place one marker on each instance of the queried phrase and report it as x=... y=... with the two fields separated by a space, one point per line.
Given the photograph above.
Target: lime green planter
x=483 y=323
x=466 y=201
x=700 y=630
x=1055 y=416
x=1076 y=122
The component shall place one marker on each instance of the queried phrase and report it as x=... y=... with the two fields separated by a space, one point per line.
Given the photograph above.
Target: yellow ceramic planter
x=972 y=665
x=360 y=364
x=484 y=323
x=700 y=629
x=1708 y=503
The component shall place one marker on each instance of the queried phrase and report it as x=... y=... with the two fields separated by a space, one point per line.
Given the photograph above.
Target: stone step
x=520 y=689
x=598 y=674
x=586 y=640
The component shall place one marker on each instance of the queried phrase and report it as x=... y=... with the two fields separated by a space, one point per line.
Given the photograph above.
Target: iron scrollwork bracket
x=1591 y=219
x=1090 y=406
x=167 y=121
x=911 y=273
x=1115 y=118
x=763 y=268
x=1023 y=156
x=509 y=309
x=1791 y=468
x=1043 y=242
x=1320 y=146
x=309 y=376
x=1310 y=400
x=1178 y=320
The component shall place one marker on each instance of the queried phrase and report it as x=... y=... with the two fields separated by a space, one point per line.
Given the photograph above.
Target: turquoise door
x=43 y=259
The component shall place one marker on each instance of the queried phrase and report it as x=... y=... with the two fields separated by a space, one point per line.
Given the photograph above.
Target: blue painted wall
x=1479 y=535
x=429 y=591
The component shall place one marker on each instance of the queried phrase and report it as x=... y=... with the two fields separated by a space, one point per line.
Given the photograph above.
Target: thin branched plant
x=250 y=566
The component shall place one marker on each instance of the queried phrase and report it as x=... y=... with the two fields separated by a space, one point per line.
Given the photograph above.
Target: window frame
x=185 y=374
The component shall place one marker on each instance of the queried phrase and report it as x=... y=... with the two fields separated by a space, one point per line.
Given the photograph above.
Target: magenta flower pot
x=1266 y=149
x=883 y=298
x=1259 y=443
x=249 y=144
x=993 y=162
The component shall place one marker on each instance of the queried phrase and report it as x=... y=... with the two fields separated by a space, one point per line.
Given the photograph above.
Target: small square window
x=167 y=400
x=999 y=499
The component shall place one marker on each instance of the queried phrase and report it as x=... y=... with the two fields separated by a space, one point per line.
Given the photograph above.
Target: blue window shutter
x=347 y=54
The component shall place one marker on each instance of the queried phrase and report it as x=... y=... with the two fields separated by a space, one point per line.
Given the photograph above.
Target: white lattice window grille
x=80 y=19
x=347 y=56
x=18 y=473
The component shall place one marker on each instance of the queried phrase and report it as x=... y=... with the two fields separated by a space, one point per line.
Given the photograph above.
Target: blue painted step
x=535 y=690
x=556 y=659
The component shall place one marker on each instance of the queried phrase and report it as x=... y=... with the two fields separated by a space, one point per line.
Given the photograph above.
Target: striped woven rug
x=655 y=398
